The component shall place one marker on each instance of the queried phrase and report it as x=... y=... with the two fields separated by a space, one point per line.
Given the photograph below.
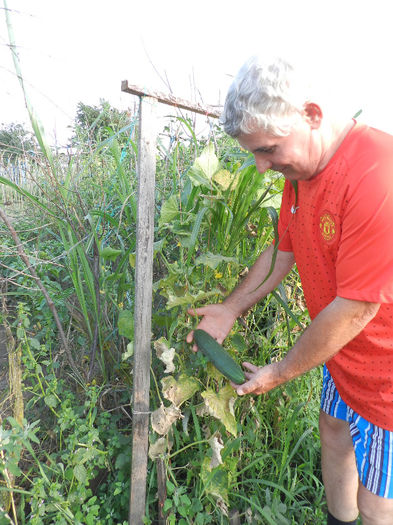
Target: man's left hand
x=259 y=379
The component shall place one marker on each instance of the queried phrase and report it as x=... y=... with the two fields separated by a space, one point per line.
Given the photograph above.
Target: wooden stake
x=143 y=307
x=161 y=490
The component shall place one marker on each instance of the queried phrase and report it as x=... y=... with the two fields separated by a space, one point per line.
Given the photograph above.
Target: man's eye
x=267 y=150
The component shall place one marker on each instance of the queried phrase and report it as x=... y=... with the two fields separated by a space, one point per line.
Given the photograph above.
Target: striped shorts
x=373 y=445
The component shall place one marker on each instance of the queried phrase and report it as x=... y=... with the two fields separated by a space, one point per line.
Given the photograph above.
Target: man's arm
x=335 y=326
x=251 y=290
x=218 y=319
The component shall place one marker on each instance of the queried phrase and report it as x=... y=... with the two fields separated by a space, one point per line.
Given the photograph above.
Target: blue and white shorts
x=373 y=445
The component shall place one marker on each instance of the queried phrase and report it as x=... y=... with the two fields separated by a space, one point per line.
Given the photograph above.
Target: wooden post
x=143 y=304
x=161 y=490
x=143 y=288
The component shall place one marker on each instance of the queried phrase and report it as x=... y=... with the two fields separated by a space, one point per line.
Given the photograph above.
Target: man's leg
x=339 y=472
x=374 y=510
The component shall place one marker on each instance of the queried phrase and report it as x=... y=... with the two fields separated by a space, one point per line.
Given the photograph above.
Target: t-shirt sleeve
x=364 y=269
x=285 y=244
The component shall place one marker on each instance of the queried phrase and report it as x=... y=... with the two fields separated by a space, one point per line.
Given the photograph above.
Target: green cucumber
x=219 y=357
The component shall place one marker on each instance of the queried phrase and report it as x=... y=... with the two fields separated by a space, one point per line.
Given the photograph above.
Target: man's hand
x=217 y=321
x=259 y=379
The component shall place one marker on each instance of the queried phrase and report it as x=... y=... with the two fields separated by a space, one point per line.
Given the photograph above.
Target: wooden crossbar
x=170 y=100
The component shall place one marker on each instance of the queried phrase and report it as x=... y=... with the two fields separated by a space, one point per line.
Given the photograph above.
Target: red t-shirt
x=341 y=235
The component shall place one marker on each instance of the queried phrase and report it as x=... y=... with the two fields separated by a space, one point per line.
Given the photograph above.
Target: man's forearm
x=340 y=322
x=250 y=290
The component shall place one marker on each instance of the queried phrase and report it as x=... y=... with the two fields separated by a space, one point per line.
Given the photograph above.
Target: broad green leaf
x=213 y=260
x=178 y=391
x=34 y=343
x=125 y=324
x=110 y=253
x=13 y=468
x=80 y=473
x=50 y=400
x=169 y=211
x=204 y=167
x=220 y=406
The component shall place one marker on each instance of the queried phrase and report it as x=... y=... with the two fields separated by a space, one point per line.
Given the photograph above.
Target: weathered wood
x=170 y=100
x=161 y=490
x=143 y=304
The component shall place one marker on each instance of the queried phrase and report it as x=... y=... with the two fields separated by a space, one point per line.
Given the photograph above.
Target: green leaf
x=51 y=401
x=80 y=473
x=167 y=505
x=34 y=343
x=213 y=260
x=110 y=253
x=169 y=211
x=206 y=165
x=13 y=468
x=125 y=324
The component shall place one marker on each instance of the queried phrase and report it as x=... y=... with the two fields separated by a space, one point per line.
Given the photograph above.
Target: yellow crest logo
x=327 y=226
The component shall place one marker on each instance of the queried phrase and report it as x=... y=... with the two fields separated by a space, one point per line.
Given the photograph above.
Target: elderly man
x=336 y=224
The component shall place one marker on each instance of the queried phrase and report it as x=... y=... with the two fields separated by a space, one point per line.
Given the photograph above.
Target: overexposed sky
x=81 y=50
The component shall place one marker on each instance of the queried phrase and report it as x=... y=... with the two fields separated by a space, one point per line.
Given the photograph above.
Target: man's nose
x=263 y=165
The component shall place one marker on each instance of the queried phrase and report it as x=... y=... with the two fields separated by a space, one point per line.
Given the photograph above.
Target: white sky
x=80 y=50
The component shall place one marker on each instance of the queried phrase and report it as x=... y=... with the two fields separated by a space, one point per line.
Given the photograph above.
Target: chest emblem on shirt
x=327 y=226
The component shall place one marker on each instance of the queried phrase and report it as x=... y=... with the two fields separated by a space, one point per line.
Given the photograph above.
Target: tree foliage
x=15 y=142
x=94 y=124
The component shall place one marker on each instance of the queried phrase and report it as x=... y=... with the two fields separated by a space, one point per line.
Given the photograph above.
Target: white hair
x=267 y=94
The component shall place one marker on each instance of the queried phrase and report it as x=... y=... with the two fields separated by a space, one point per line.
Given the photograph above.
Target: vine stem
x=187 y=446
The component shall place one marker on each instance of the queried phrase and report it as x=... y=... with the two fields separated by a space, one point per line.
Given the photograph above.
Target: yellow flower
x=120 y=305
x=218 y=275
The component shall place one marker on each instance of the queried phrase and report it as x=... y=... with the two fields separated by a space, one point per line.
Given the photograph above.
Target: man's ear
x=313 y=114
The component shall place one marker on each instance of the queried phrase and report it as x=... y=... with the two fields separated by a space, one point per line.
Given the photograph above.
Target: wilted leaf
x=216 y=445
x=215 y=481
x=163 y=418
x=178 y=391
x=220 y=406
x=165 y=354
x=158 y=448
x=223 y=178
x=174 y=300
x=129 y=352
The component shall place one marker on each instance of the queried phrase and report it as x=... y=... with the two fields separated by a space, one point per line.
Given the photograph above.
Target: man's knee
x=374 y=509
x=334 y=432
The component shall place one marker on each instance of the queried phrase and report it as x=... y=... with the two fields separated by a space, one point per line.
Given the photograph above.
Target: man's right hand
x=217 y=321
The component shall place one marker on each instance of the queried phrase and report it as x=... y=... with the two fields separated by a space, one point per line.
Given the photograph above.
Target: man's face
x=297 y=156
